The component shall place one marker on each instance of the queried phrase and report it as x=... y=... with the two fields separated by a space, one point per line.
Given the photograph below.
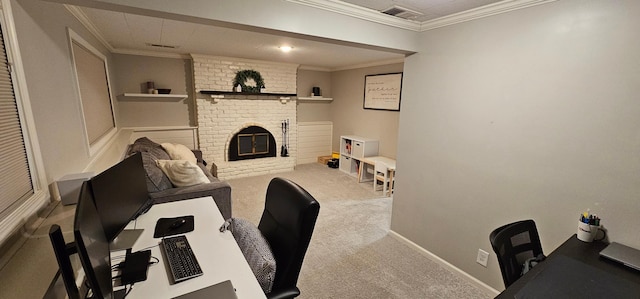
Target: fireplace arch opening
x=252 y=142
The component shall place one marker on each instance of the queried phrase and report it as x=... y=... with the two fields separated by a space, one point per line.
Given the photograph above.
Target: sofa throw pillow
x=256 y=251
x=183 y=173
x=179 y=152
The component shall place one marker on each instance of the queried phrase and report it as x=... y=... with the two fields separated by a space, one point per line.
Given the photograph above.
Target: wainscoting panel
x=314 y=140
x=181 y=135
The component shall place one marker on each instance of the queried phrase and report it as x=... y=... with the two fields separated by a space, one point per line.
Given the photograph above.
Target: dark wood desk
x=587 y=253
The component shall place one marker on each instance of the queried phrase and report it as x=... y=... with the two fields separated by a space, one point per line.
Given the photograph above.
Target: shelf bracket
x=216 y=97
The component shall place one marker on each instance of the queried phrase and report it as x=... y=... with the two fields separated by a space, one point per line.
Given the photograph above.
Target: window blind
x=15 y=181
x=94 y=92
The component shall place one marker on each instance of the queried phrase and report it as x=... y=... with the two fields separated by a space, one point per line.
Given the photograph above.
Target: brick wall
x=217 y=73
x=220 y=119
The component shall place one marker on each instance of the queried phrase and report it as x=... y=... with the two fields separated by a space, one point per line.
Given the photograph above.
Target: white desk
x=218 y=253
x=371 y=161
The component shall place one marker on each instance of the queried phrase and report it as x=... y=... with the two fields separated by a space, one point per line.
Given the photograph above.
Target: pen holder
x=588 y=232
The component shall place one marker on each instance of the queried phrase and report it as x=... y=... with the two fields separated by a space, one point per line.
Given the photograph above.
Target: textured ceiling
x=131 y=33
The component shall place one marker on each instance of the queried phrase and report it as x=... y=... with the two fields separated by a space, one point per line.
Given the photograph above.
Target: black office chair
x=287 y=224
x=514 y=244
x=63 y=251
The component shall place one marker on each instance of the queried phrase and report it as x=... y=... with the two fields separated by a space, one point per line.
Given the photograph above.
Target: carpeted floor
x=351 y=254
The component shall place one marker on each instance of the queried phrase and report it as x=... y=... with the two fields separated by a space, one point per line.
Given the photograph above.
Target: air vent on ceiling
x=402 y=12
x=161 y=46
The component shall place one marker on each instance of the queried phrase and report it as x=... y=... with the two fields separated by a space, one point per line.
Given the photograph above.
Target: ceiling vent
x=161 y=46
x=402 y=12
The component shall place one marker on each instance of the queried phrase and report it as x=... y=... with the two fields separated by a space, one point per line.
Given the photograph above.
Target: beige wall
x=350 y=118
x=132 y=71
x=528 y=114
x=313 y=110
x=42 y=36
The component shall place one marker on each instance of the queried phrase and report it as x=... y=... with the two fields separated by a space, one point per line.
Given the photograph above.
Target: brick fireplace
x=219 y=119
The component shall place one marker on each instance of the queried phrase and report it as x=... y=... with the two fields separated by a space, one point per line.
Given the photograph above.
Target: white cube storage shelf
x=353 y=149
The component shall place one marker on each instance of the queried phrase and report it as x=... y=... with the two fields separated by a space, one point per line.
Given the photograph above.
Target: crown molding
x=86 y=22
x=351 y=67
x=360 y=12
x=370 y=64
x=481 y=12
x=151 y=53
x=381 y=18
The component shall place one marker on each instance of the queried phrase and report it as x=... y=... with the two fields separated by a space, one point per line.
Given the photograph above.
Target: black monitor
x=120 y=194
x=92 y=245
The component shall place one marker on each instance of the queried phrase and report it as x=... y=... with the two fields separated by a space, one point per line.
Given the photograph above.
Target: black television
x=120 y=195
x=92 y=245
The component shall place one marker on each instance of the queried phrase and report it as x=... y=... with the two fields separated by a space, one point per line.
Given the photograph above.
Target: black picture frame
x=383 y=91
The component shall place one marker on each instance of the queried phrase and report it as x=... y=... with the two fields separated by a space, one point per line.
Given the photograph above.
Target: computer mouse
x=177 y=223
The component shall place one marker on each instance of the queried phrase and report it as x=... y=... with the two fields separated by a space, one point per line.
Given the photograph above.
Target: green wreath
x=243 y=76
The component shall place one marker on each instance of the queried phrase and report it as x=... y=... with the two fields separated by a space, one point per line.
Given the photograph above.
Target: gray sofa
x=160 y=188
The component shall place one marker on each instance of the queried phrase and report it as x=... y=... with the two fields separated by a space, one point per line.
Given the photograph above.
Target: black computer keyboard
x=180 y=259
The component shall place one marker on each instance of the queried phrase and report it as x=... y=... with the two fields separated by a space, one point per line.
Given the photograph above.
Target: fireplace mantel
x=219 y=92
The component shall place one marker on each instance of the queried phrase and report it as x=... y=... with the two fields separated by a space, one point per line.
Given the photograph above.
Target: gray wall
x=42 y=36
x=528 y=114
x=131 y=71
x=350 y=118
x=310 y=110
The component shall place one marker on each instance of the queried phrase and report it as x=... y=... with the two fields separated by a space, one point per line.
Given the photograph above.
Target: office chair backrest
x=513 y=244
x=287 y=223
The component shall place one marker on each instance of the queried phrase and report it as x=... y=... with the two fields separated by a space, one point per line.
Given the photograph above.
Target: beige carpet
x=351 y=254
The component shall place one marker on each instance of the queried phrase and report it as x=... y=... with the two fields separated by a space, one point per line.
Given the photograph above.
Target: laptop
x=623 y=254
x=223 y=290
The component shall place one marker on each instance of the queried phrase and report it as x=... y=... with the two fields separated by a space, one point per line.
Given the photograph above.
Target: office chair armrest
x=284 y=293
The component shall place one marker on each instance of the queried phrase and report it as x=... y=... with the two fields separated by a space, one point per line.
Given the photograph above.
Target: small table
x=583 y=252
x=391 y=166
x=217 y=252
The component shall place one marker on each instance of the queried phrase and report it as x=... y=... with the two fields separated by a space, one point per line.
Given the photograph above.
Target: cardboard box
x=324 y=159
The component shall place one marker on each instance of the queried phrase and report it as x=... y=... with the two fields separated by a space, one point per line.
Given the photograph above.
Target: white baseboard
x=489 y=291
x=19 y=217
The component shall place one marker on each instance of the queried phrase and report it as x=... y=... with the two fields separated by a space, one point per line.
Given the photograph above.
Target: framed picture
x=382 y=91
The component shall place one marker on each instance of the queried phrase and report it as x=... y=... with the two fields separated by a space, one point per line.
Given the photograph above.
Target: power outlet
x=483 y=257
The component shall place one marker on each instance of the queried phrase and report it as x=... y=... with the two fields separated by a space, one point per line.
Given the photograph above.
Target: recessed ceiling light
x=286 y=48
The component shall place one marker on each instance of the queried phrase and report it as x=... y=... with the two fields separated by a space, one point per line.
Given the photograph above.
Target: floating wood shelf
x=320 y=99
x=153 y=96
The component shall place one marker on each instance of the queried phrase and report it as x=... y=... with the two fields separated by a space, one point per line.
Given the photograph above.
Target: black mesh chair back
x=287 y=223
x=513 y=244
